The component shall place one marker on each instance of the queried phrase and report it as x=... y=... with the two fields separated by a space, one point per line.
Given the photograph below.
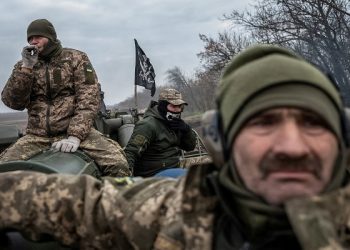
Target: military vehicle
x=117 y=124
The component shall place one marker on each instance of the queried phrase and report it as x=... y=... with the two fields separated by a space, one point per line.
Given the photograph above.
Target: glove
x=179 y=125
x=29 y=56
x=67 y=145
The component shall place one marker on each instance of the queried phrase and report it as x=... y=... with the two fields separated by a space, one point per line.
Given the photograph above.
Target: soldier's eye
x=264 y=120
x=313 y=123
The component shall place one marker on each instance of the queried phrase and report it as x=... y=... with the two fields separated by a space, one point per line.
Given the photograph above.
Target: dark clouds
x=167 y=30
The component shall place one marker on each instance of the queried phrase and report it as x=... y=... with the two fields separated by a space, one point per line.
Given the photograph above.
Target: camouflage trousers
x=107 y=153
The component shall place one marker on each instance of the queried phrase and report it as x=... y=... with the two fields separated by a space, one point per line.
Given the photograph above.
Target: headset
x=213 y=138
x=345 y=111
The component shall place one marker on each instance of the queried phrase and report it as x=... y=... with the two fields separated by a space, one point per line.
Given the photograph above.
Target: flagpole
x=135 y=96
x=135 y=85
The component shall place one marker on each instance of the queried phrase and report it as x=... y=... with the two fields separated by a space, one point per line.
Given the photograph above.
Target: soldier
x=59 y=88
x=280 y=120
x=154 y=146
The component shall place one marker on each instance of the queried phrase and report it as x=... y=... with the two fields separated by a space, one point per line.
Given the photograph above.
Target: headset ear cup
x=346 y=126
x=211 y=136
x=345 y=113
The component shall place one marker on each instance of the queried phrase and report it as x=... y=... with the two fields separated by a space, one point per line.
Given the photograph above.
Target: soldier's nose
x=290 y=140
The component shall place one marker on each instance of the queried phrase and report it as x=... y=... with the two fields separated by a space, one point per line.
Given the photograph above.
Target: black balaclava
x=162 y=108
x=165 y=113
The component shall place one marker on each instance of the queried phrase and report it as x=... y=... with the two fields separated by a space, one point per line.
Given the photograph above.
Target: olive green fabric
x=51 y=50
x=297 y=95
x=154 y=147
x=263 y=77
x=259 y=68
x=257 y=218
x=266 y=76
x=42 y=27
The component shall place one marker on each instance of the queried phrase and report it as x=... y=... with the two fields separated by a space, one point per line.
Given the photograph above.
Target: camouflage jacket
x=322 y=222
x=153 y=146
x=150 y=213
x=80 y=211
x=61 y=96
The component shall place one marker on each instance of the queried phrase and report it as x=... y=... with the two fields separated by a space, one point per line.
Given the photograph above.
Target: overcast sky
x=167 y=31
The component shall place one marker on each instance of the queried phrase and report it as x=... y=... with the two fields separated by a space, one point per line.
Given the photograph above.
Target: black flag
x=144 y=72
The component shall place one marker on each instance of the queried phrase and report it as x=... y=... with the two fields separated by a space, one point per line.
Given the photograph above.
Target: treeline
x=319 y=30
x=198 y=92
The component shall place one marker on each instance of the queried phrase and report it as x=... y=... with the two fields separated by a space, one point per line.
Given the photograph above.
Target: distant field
x=20 y=119
x=14 y=118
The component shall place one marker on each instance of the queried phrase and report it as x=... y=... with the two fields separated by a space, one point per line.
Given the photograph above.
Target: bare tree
x=177 y=79
x=205 y=86
x=217 y=53
x=215 y=56
x=317 y=29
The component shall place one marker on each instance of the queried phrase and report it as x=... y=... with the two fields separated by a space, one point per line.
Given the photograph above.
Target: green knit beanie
x=41 y=27
x=267 y=76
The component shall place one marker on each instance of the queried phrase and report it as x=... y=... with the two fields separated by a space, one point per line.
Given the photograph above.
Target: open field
x=14 y=118
x=20 y=119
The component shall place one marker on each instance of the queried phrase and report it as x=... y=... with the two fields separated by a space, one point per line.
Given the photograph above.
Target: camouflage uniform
x=61 y=95
x=322 y=222
x=62 y=98
x=112 y=163
x=210 y=207
x=125 y=213
x=153 y=213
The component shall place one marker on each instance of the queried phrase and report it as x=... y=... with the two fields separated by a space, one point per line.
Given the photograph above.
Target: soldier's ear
x=212 y=136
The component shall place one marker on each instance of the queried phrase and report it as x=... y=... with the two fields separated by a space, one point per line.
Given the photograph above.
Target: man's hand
x=179 y=125
x=67 y=145
x=29 y=56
